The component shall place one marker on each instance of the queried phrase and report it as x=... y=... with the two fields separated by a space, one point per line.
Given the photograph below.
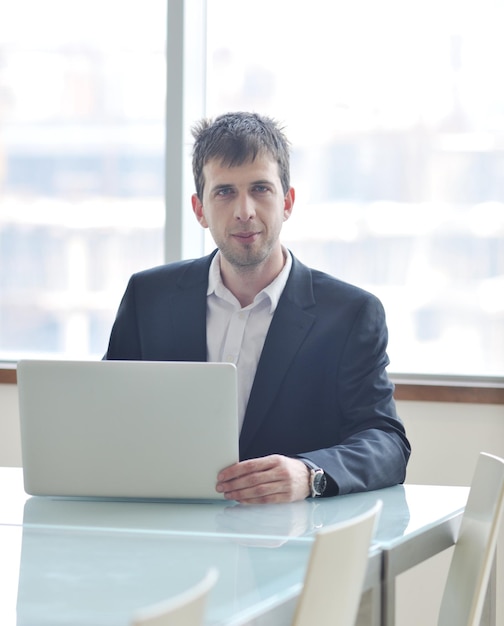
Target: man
x=316 y=407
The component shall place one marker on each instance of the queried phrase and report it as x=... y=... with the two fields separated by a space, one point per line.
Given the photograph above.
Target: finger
x=259 y=492
x=250 y=466
x=247 y=482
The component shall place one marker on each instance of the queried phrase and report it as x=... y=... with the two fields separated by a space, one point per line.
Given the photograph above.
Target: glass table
x=95 y=562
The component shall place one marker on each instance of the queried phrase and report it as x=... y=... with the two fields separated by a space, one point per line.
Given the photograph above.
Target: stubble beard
x=246 y=257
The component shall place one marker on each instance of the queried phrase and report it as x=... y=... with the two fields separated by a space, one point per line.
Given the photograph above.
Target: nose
x=244 y=208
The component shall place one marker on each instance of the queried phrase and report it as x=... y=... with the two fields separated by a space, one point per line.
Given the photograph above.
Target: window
x=81 y=167
x=396 y=117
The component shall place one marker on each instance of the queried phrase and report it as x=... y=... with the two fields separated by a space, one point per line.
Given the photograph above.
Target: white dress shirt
x=235 y=334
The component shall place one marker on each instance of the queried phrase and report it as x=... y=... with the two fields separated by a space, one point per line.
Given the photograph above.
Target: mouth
x=246 y=237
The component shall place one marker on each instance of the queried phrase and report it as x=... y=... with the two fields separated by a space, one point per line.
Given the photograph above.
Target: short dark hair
x=236 y=138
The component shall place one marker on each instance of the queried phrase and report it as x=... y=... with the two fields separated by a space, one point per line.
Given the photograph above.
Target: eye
x=221 y=192
x=260 y=188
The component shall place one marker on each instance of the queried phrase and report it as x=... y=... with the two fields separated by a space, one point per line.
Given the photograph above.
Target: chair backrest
x=185 y=609
x=469 y=572
x=336 y=570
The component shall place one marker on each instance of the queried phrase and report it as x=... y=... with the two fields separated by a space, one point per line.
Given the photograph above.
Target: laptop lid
x=124 y=429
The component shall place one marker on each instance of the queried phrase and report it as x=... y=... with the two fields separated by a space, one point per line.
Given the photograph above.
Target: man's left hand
x=267 y=479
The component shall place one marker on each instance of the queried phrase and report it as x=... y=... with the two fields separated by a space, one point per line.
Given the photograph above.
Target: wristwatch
x=318 y=479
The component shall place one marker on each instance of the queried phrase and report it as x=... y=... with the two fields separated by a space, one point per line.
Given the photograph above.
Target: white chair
x=336 y=570
x=185 y=609
x=469 y=573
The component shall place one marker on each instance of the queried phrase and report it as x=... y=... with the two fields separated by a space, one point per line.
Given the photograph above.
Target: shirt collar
x=273 y=291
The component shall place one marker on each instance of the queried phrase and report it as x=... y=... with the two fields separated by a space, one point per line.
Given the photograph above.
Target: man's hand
x=273 y=478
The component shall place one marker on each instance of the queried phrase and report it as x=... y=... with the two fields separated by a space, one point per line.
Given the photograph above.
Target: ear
x=197 y=207
x=289 y=199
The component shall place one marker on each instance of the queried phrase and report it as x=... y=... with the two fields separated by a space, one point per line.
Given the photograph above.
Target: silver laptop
x=126 y=429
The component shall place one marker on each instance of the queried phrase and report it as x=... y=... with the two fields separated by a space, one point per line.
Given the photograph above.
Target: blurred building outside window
x=82 y=91
x=395 y=112
x=396 y=118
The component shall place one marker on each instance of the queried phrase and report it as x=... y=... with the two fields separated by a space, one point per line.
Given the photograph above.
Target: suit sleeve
x=373 y=450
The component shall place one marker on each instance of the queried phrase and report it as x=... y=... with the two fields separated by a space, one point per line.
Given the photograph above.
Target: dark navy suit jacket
x=320 y=391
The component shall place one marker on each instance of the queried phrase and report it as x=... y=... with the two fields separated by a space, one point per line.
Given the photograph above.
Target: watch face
x=319 y=482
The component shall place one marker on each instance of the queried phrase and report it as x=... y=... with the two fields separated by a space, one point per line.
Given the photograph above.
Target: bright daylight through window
x=395 y=112
x=396 y=115
x=81 y=167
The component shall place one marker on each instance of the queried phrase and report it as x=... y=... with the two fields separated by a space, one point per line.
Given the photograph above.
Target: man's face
x=244 y=207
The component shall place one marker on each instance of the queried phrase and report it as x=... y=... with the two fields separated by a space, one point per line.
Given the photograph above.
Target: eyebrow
x=262 y=181
x=221 y=186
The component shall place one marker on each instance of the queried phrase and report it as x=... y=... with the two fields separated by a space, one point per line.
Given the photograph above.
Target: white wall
x=446 y=439
x=10 y=446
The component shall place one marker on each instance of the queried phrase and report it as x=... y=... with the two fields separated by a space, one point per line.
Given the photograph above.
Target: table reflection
x=96 y=562
x=73 y=576
x=269 y=524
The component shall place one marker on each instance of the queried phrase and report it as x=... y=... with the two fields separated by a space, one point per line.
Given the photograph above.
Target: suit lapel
x=187 y=309
x=289 y=327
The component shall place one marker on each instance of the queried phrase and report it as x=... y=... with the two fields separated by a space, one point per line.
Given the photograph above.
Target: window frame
x=462 y=389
